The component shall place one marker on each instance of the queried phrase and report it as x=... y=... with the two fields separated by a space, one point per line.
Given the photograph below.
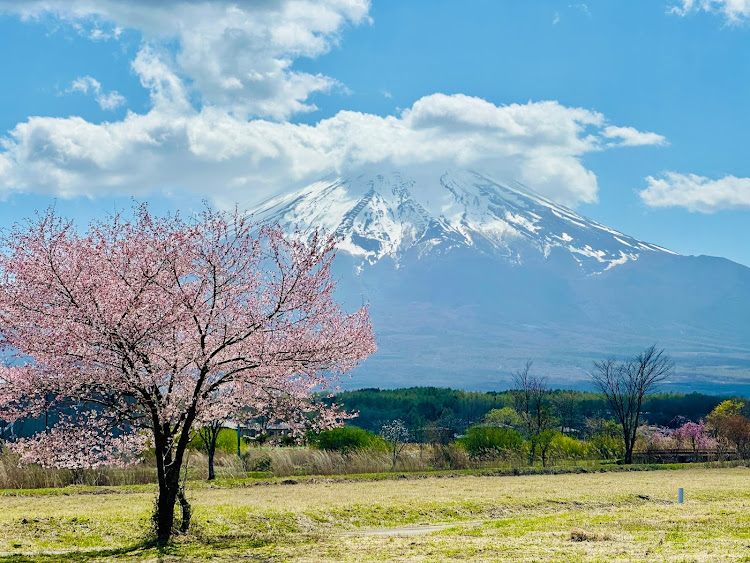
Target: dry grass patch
x=579 y=534
x=582 y=517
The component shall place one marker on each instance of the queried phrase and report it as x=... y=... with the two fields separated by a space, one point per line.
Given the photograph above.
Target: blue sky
x=635 y=113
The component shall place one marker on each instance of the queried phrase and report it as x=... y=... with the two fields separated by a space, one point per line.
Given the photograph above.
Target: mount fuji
x=468 y=276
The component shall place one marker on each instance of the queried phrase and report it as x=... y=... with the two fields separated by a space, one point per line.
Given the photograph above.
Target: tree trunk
x=185 y=509
x=211 y=474
x=532 y=451
x=629 y=446
x=210 y=435
x=168 y=465
x=165 y=504
x=169 y=494
x=628 y=439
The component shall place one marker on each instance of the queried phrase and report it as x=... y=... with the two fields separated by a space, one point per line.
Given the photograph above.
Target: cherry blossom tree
x=86 y=442
x=397 y=435
x=155 y=325
x=694 y=434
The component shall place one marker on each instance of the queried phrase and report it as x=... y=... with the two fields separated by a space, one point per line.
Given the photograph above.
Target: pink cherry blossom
x=82 y=442
x=160 y=324
x=694 y=435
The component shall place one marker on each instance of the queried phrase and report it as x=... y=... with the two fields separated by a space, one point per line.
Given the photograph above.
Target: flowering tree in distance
x=694 y=434
x=157 y=324
x=397 y=435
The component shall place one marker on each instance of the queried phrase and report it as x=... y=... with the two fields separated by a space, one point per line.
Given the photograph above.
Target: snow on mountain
x=489 y=274
x=394 y=215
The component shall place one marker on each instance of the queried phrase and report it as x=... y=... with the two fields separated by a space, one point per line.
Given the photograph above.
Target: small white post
x=680 y=495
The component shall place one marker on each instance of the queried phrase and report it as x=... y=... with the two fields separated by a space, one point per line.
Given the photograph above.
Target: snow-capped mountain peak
x=394 y=215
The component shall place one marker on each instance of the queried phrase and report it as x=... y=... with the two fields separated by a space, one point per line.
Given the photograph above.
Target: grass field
x=628 y=516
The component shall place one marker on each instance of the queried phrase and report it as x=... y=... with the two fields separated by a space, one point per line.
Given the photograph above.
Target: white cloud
x=631 y=137
x=556 y=19
x=95 y=32
x=212 y=153
x=734 y=11
x=697 y=193
x=582 y=7
x=237 y=55
x=106 y=100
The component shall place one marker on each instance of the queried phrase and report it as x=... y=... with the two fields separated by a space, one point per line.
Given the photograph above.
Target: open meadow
x=628 y=516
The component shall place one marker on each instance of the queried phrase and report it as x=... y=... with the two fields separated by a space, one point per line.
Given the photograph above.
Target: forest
x=459 y=410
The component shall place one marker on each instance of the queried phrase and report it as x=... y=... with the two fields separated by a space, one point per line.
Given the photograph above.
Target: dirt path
x=412 y=530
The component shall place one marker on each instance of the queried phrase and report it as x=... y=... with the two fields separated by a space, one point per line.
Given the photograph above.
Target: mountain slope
x=392 y=215
x=468 y=277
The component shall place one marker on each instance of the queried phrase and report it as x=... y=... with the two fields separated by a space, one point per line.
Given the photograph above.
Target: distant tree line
x=536 y=423
x=532 y=431
x=455 y=411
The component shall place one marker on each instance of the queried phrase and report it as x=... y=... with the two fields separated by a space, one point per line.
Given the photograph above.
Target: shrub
x=346 y=439
x=288 y=441
x=262 y=464
x=607 y=446
x=565 y=447
x=449 y=457
x=225 y=442
x=505 y=417
x=483 y=441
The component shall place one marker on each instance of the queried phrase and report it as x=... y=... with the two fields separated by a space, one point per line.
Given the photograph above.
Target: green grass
x=596 y=516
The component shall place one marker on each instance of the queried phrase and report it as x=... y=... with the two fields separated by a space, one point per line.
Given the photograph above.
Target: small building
x=274 y=432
